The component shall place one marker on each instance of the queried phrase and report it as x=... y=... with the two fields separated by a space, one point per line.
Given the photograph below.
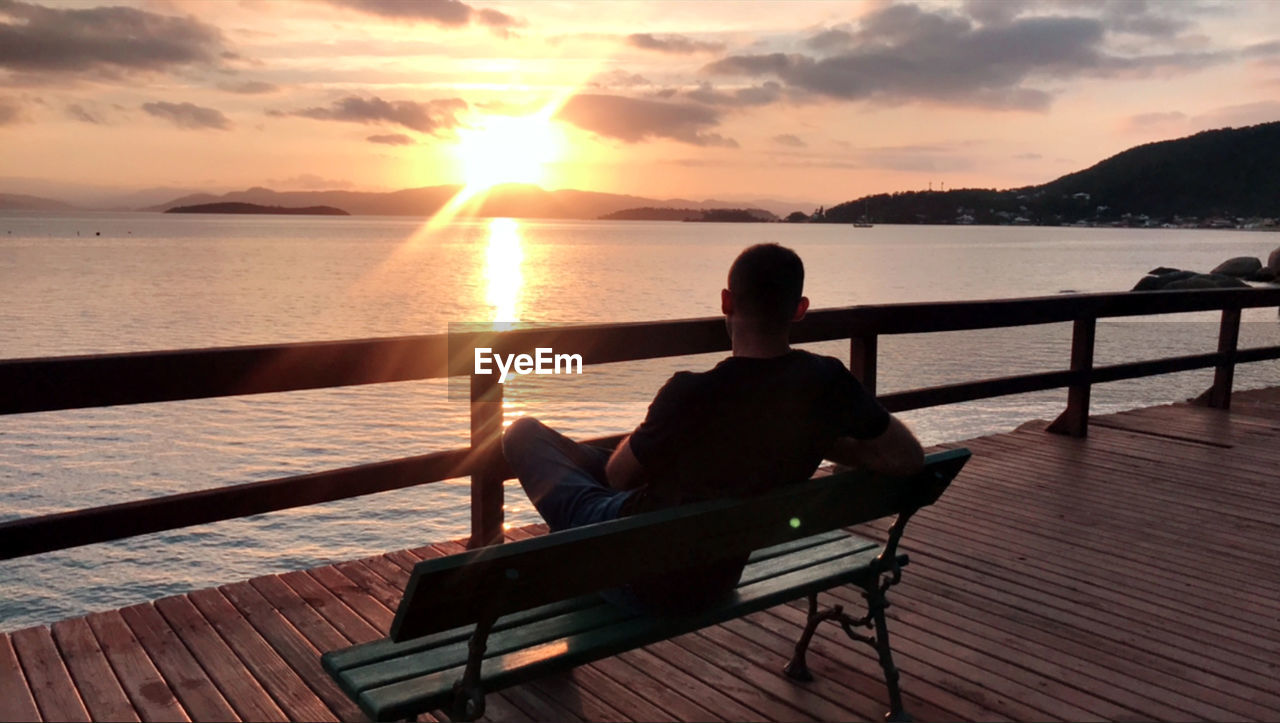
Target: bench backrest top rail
x=461 y=589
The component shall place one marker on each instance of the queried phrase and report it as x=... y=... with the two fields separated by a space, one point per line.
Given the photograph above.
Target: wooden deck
x=1132 y=575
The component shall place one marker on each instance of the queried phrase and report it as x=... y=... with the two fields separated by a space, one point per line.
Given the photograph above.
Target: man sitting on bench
x=765 y=416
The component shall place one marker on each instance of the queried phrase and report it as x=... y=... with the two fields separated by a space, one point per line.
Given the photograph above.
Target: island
x=235 y=207
x=718 y=215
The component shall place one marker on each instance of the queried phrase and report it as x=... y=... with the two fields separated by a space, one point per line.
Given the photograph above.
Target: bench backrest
x=461 y=589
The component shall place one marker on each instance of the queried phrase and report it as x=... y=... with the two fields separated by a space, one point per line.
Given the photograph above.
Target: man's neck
x=760 y=347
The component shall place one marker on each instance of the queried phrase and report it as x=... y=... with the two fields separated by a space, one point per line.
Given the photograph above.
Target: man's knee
x=519 y=435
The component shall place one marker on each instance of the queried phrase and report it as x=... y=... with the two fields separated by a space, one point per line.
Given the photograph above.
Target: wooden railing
x=47 y=384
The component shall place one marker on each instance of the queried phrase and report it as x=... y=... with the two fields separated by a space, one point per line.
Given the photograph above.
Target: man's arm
x=623 y=470
x=895 y=452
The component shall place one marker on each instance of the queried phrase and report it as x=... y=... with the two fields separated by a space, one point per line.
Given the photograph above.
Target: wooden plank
x=199 y=696
x=1185 y=575
x=47 y=677
x=99 y=689
x=250 y=700
x=1116 y=605
x=1003 y=630
x=306 y=588
x=150 y=695
x=16 y=701
x=853 y=677
x=1157 y=668
x=839 y=679
x=290 y=644
x=342 y=587
x=284 y=684
x=652 y=690
x=1230 y=677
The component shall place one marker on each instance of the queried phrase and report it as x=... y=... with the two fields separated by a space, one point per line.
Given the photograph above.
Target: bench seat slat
x=386 y=649
x=400 y=699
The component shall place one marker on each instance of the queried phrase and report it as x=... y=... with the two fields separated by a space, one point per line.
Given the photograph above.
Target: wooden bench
x=494 y=617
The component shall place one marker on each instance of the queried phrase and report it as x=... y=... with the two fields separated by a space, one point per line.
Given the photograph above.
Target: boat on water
x=862 y=225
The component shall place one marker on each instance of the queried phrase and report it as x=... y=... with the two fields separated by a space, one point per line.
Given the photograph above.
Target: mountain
x=511 y=200
x=1227 y=172
x=20 y=202
x=233 y=207
x=1210 y=178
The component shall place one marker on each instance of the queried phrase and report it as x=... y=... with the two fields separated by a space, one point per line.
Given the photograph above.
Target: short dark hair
x=767 y=281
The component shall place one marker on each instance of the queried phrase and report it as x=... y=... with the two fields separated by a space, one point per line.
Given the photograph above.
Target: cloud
x=37 y=39
x=764 y=94
x=428 y=117
x=902 y=53
x=1146 y=122
x=1236 y=116
x=78 y=112
x=1028 y=157
x=188 y=115
x=787 y=139
x=1133 y=17
x=830 y=39
x=446 y=13
x=249 y=87
x=618 y=78
x=674 y=44
x=10 y=111
x=391 y=139
x=634 y=119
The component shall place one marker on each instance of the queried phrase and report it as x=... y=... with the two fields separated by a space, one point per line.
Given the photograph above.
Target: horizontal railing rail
x=59 y=383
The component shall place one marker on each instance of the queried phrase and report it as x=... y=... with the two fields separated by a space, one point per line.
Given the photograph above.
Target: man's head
x=765 y=294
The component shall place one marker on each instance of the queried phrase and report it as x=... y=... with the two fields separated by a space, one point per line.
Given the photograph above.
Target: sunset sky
x=820 y=101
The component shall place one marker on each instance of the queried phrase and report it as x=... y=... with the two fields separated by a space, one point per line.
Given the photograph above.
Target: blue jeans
x=565 y=481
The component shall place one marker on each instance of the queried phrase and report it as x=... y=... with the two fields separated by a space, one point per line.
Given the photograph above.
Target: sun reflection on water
x=502 y=272
x=504 y=278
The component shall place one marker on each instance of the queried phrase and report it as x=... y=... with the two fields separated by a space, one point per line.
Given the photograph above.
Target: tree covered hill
x=1209 y=178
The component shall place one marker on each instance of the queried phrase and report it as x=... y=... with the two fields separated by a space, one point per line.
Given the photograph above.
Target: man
x=765 y=416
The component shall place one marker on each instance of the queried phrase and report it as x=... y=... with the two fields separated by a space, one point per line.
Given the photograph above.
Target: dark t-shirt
x=739 y=429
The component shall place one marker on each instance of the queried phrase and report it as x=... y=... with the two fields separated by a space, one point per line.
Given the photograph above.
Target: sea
x=94 y=283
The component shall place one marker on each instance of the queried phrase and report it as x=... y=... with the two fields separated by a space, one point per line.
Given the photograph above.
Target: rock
x=1199 y=281
x=1161 y=270
x=1239 y=266
x=1273 y=261
x=1264 y=274
x=1223 y=281
x=1157 y=282
x=1175 y=280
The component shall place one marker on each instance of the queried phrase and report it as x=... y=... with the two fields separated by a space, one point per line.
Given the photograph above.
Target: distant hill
x=1208 y=179
x=513 y=200
x=20 y=202
x=233 y=207
x=650 y=213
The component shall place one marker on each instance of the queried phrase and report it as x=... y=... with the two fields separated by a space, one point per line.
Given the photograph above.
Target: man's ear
x=801 y=308
x=726 y=302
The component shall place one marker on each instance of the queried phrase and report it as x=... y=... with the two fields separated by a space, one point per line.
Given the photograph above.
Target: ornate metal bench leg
x=798 y=669
x=876 y=605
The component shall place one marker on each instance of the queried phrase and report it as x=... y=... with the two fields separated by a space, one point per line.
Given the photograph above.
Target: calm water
x=127 y=282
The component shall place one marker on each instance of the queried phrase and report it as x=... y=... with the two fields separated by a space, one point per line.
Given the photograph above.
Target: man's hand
x=896 y=452
x=623 y=471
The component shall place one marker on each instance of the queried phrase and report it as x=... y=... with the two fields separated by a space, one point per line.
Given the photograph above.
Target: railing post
x=1224 y=374
x=862 y=360
x=486 y=449
x=1074 y=421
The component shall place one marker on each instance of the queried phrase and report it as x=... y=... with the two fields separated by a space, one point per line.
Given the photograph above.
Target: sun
x=508 y=149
